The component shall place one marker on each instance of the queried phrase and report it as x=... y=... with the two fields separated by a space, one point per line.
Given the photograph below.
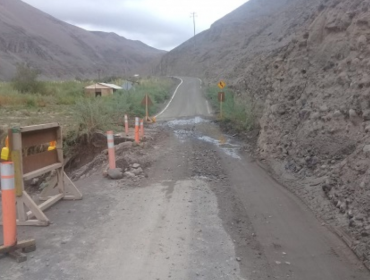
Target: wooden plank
x=45 y=205
x=29 y=249
x=36 y=211
x=39 y=161
x=37 y=173
x=26 y=243
x=20 y=245
x=21 y=211
x=18 y=179
x=19 y=257
x=35 y=223
x=10 y=135
x=5 y=250
x=15 y=143
x=39 y=127
x=70 y=190
x=51 y=201
x=39 y=137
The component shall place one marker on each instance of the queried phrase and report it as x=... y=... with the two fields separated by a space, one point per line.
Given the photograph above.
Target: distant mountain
x=257 y=27
x=61 y=50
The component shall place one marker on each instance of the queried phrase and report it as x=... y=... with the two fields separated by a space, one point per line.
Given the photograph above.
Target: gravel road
x=204 y=211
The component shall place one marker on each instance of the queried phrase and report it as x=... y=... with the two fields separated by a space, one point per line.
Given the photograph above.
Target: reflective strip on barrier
x=7 y=176
x=111 y=150
x=110 y=139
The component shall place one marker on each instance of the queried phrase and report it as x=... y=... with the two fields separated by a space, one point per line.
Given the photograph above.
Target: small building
x=101 y=89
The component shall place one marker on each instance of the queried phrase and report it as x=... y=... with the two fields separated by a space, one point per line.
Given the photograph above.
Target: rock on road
x=204 y=212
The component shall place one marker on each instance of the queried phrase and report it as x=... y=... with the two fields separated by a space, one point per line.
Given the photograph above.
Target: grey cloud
x=115 y=16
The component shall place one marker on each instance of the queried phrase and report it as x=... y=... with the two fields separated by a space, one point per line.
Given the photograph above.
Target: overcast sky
x=163 y=24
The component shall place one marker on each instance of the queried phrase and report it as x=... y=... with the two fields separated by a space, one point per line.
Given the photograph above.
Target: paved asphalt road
x=205 y=211
x=187 y=101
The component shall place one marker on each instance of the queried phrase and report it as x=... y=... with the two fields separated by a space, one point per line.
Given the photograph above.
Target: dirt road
x=204 y=211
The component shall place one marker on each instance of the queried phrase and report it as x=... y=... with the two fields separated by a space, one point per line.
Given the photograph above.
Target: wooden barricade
x=27 y=167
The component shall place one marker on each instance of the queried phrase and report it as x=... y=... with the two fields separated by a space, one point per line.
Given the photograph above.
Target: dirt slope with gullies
x=62 y=51
x=306 y=65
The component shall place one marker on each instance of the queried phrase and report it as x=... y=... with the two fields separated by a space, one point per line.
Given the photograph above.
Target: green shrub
x=25 y=80
x=90 y=115
x=241 y=113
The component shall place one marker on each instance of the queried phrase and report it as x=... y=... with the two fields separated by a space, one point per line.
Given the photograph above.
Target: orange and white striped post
x=126 y=125
x=137 y=133
x=111 y=151
x=8 y=204
x=142 y=128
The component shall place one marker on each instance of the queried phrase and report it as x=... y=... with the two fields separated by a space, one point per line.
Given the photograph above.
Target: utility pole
x=193 y=15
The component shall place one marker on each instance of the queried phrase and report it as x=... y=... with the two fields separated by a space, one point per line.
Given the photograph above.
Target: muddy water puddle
x=206 y=131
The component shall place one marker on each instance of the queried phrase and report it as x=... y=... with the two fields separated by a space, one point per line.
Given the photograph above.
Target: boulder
x=278 y=109
x=137 y=171
x=366 y=115
x=130 y=174
x=324 y=108
x=115 y=174
x=366 y=149
x=337 y=114
x=361 y=41
x=35 y=181
x=353 y=116
x=136 y=165
x=315 y=115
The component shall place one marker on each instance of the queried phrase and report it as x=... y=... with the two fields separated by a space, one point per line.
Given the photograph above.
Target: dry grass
x=241 y=114
x=65 y=103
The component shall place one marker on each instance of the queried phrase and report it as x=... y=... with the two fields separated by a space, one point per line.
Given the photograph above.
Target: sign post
x=221 y=96
x=146 y=107
x=147 y=102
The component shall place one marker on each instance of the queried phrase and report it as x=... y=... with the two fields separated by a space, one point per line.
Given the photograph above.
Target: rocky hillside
x=61 y=50
x=306 y=64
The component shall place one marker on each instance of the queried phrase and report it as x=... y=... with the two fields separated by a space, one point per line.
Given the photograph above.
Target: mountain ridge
x=60 y=50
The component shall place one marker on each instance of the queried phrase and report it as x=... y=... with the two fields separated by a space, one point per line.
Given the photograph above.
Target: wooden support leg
x=26 y=200
x=18 y=256
x=21 y=211
x=45 y=205
x=71 y=191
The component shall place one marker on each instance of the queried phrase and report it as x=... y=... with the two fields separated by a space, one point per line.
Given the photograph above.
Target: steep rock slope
x=61 y=50
x=306 y=63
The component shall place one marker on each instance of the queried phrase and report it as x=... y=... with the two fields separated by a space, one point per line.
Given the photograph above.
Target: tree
x=25 y=79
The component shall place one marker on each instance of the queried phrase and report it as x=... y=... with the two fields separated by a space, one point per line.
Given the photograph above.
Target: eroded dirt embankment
x=306 y=65
x=315 y=121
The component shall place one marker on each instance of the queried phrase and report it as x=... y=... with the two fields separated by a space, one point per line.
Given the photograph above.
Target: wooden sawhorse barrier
x=27 y=167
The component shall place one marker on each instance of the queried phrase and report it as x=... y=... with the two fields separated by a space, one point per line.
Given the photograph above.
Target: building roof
x=111 y=86
x=103 y=85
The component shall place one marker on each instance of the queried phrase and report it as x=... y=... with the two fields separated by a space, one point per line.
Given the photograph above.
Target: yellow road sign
x=221 y=84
